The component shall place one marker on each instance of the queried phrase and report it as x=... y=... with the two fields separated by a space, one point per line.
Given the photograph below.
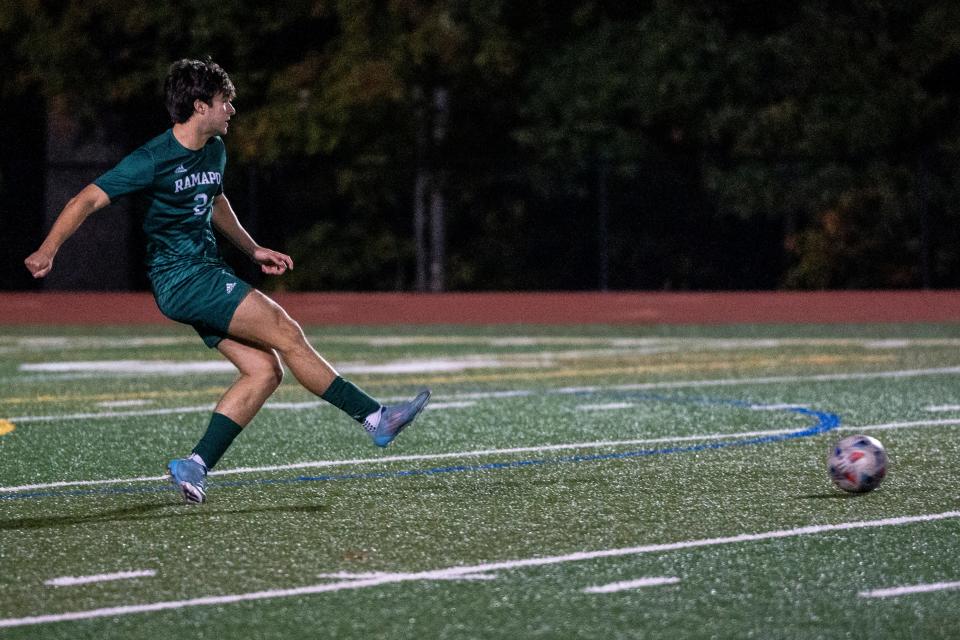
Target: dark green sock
x=350 y=399
x=217 y=439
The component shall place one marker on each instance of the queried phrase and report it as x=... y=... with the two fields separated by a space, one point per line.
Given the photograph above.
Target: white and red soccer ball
x=857 y=464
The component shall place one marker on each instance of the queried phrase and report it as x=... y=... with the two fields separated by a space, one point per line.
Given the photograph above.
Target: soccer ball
x=857 y=464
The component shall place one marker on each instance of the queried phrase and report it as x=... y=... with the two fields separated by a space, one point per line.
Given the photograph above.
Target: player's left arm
x=225 y=220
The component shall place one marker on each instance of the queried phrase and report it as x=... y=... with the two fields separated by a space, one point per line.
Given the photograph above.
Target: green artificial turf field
x=565 y=482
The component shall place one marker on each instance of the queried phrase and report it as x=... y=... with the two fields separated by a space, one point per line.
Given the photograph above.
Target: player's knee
x=268 y=373
x=273 y=374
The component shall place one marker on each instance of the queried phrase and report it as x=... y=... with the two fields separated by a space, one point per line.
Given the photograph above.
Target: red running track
x=623 y=308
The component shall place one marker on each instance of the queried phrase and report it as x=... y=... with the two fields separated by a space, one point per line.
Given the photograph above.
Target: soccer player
x=181 y=173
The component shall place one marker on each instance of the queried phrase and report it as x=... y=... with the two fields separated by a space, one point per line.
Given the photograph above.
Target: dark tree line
x=488 y=144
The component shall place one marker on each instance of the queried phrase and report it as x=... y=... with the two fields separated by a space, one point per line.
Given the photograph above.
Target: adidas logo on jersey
x=230 y=287
x=180 y=169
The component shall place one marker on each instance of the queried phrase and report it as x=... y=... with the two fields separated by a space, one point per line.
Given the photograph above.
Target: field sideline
x=594 y=481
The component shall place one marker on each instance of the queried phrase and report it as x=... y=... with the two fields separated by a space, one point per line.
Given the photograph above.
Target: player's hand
x=39 y=264
x=272 y=263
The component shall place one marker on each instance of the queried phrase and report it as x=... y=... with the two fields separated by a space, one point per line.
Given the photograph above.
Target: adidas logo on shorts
x=230 y=287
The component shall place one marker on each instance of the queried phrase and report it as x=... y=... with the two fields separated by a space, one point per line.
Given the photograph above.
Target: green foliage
x=849 y=246
x=345 y=257
x=712 y=119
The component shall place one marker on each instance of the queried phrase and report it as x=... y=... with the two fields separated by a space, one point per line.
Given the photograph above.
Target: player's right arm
x=90 y=199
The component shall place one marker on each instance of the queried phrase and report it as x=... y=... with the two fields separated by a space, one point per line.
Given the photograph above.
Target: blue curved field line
x=825 y=421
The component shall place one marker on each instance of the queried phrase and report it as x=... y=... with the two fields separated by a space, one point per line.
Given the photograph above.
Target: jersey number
x=203 y=204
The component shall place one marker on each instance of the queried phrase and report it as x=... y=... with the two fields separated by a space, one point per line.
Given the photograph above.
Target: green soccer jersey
x=180 y=185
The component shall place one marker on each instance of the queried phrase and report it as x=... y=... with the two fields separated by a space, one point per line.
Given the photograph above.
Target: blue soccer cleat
x=394 y=418
x=190 y=478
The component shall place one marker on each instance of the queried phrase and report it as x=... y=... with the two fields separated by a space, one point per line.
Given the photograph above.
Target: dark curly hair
x=190 y=80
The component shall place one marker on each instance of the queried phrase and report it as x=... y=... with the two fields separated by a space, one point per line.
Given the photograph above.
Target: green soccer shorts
x=204 y=296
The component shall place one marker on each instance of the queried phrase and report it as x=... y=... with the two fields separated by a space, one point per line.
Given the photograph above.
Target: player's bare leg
x=260 y=331
x=260 y=320
x=260 y=375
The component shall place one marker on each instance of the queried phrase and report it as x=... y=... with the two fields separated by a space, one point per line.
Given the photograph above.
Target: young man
x=181 y=173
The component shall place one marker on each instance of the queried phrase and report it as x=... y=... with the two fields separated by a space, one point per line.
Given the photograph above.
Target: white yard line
x=943 y=407
x=610 y=406
x=458 y=400
x=448 y=573
x=79 y=483
x=680 y=384
x=506 y=451
x=343 y=575
x=903 y=425
x=778 y=407
x=463 y=404
x=139 y=367
x=893 y=592
x=104 y=415
x=731 y=382
x=614 y=587
x=118 y=404
x=204 y=408
x=61 y=343
x=823 y=377
x=320 y=464
x=70 y=581
x=189 y=367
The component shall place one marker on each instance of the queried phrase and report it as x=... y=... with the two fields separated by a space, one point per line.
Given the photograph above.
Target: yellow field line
x=818 y=360
x=106 y=397
x=6 y=427
x=569 y=372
